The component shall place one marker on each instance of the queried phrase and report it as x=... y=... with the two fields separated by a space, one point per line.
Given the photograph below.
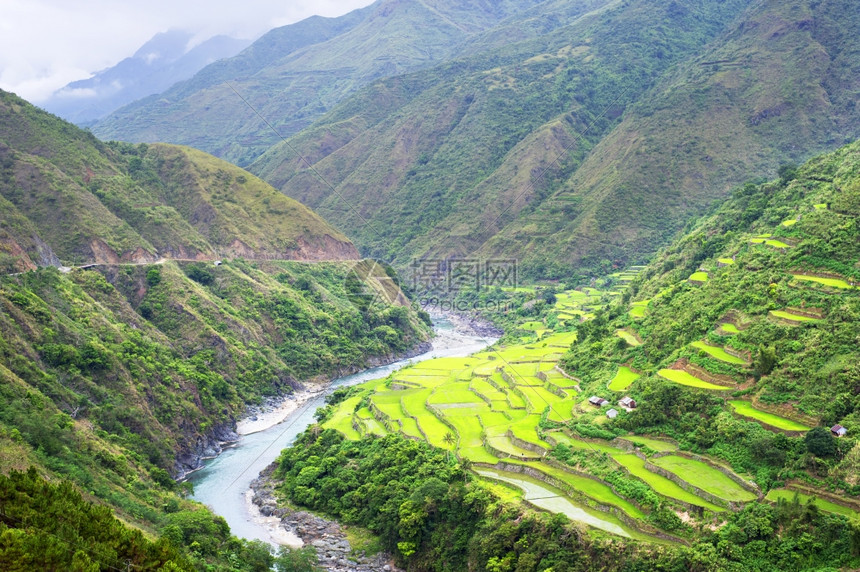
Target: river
x=224 y=482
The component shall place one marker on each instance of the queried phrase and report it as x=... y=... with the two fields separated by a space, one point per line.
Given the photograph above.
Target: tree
x=820 y=442
x=765 y=360
x=297 y=560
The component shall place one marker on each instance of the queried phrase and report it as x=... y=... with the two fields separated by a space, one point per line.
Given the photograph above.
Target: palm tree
x=449 y=440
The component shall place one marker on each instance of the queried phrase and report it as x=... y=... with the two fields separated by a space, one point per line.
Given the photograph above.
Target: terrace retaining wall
x=582 y=498
x=504 y=454
x=794 y=414
x=745 y=355
x=824 y=495
x=703 y=374
x=737 y=479
x=555 y=390
x=526 y=445
x=734 y=317
x=570 y=377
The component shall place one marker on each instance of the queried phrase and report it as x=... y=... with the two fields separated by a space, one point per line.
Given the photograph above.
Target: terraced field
x=639 y=309
x=770 y=242
x=839 y=283
x=746 y=409
x=787 y=315
x=719 y=353
x=495 y=406
x=623 y=379
x=705 y=477
x=628 y=337
x=685 y=378
x=788 y=495
x=661 y=484
x=729 y=328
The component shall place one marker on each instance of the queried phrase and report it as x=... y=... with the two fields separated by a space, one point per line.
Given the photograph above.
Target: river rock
x=333 y=549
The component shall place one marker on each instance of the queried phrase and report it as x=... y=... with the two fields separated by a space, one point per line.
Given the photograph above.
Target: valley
x=515 y=286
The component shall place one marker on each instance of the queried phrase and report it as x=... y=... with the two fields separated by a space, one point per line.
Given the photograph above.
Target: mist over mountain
x=167 y=58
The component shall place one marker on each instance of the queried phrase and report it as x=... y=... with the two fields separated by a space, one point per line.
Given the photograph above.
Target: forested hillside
x=584 y=147
x=771 y=276
x=127 y=352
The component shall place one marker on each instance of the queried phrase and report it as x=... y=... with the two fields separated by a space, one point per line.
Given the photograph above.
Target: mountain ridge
x=125 y=203
x=159 y=63
x=291 y=81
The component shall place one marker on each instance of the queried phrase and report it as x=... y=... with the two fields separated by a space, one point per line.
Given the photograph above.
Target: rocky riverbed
x=327 y=536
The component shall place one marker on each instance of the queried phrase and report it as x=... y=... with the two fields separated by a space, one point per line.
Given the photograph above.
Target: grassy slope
x=68 y=197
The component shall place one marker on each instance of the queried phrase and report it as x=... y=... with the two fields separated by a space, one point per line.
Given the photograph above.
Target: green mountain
x=69 y=198
x=583 y=147
x=757 y=305
x=295 y=73
x=126 y=365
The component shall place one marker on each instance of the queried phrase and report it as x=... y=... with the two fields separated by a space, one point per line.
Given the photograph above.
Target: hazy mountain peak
x=168 y=57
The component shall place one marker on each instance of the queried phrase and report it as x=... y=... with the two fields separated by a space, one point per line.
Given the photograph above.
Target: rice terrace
x=519 y=420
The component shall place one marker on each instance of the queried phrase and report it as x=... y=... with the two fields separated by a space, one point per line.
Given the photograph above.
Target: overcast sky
x=45 y=44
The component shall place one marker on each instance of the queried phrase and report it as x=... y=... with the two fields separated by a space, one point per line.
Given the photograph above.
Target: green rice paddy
x=638 y=310
x=623 y=379
x=832 y=282
x=727 y=261
x=628 y=337
x=729 y=328
x=825 y=505
x=685 y=378
x=746 y=409
x=705 y=477
x=770 y=242
x=792 y=317
x=718 y=353
x=699 y=276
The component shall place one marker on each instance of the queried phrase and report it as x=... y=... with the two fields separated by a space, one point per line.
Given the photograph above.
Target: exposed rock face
x=205 y=447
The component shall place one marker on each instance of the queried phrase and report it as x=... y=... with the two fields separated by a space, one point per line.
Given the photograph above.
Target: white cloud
x=45 y=44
